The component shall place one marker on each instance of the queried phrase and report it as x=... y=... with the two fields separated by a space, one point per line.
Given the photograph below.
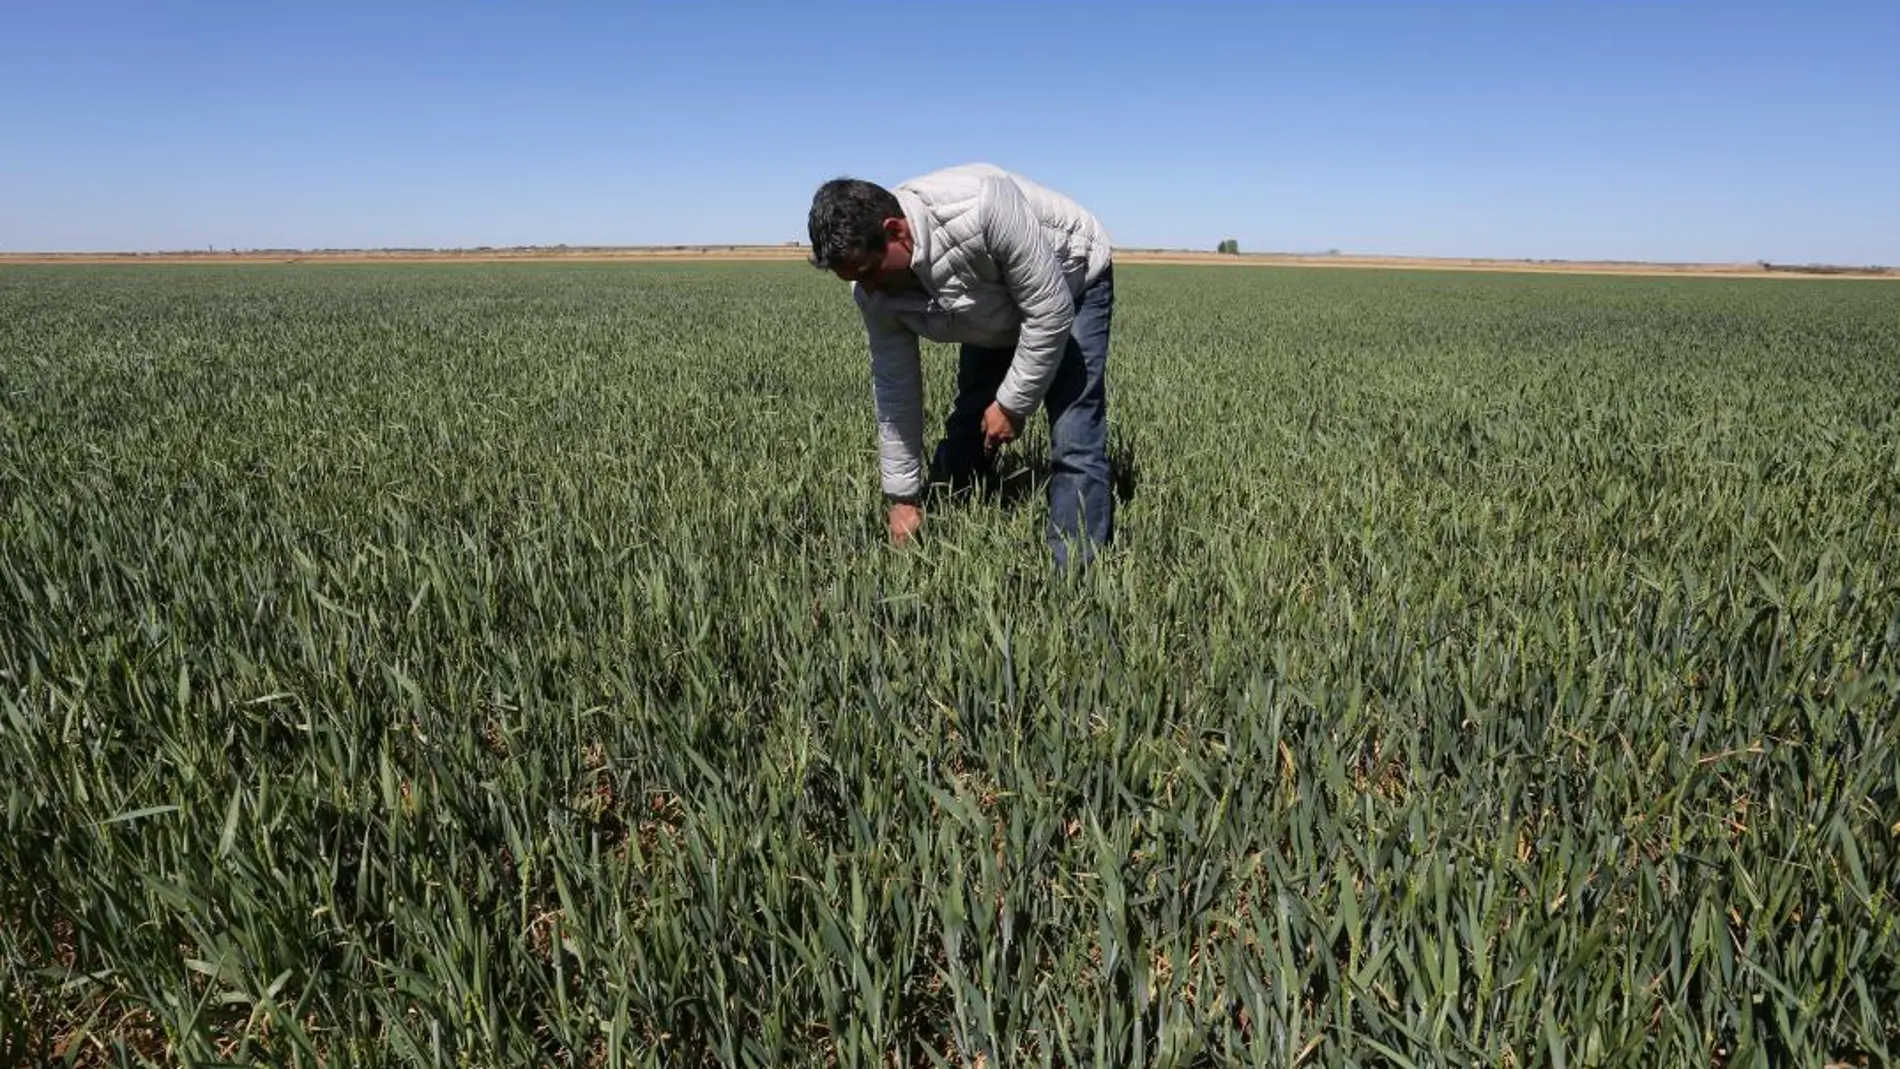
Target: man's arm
x=897 y=387
x=1034 y=277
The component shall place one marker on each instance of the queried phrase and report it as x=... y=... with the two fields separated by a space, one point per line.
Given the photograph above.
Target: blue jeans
x=1081 y=499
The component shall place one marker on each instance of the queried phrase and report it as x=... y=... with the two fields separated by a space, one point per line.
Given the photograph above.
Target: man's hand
x=905 y=519
x=999 y=428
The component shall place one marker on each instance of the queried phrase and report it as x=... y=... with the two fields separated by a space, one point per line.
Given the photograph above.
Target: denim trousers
x=1081 y=499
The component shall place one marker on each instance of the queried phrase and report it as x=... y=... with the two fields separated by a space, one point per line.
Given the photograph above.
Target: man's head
x=859 y=233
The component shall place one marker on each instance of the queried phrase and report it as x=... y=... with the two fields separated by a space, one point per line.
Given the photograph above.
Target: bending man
x=1023 y=278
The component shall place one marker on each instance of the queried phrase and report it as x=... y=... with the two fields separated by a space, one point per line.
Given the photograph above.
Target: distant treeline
x=1828 y=269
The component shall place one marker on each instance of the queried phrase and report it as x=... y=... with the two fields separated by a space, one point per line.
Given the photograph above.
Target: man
x=1023 y=278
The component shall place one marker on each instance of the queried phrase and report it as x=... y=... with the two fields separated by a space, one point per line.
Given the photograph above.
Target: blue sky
x=1664 y=130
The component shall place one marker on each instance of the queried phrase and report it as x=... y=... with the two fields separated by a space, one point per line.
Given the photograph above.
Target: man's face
x=888 y=272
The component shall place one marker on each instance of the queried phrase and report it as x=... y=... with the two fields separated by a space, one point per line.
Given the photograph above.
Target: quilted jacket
x=1002 y=261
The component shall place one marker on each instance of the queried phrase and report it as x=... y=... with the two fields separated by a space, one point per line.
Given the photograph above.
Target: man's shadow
x=1023 y=479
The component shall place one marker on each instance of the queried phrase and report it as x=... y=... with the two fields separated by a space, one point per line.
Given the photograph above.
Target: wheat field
x=505 y=664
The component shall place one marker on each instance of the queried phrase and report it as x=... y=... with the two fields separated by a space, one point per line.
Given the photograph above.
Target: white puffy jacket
x=1002 y=261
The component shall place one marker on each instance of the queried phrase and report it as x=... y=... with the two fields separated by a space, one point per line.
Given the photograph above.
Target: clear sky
x=1650 y=129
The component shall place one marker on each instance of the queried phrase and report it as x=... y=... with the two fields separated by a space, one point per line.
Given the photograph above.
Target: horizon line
x=561 y=249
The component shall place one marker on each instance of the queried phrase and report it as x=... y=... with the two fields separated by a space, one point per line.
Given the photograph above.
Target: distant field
x=503 y=664
x=754 y=253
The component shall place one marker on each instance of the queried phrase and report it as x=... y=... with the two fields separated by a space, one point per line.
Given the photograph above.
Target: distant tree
x=1230 y=246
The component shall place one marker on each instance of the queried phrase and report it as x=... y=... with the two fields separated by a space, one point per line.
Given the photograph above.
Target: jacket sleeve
x=897 y=388
x=1034 y=278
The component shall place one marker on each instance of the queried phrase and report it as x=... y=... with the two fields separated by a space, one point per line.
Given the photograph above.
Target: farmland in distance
x=504 y=664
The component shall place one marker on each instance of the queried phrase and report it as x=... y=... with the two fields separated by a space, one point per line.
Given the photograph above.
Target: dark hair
x=847 y=217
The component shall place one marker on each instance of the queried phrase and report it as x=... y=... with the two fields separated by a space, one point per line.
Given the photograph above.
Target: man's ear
x=897 y=229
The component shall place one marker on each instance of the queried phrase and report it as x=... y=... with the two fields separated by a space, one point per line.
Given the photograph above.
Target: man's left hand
x=999 y=428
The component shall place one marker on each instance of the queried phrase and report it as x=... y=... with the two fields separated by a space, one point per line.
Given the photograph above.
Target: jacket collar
x=918 y=217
